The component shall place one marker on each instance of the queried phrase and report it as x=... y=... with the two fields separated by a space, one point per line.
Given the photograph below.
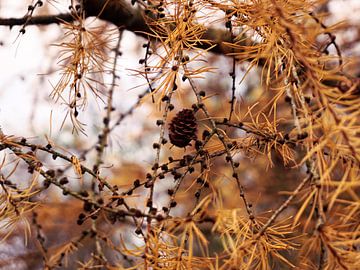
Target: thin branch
x=37 y=20
x=283 y=206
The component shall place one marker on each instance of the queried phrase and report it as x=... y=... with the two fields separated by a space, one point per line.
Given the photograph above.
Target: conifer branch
x=121 y=15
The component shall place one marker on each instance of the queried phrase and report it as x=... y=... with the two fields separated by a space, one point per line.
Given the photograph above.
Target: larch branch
x=123 y=16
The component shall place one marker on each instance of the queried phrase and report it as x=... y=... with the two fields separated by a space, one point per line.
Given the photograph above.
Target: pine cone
x=183 y=128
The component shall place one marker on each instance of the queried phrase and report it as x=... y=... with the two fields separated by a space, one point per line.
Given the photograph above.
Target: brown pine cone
x=183 y=128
